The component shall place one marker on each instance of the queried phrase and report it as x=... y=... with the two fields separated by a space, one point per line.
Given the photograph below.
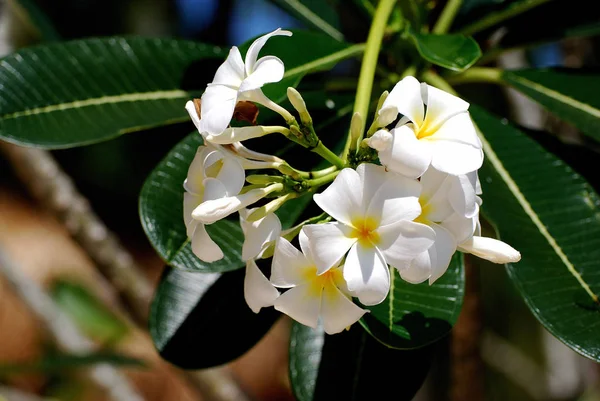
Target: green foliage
x=352 y=366
x=317 y=14
x=413 y=316
x=86 y=91
x=452 y=51
x=570 y=94
x=550 y=214
x=90 y=315
x=36 y=19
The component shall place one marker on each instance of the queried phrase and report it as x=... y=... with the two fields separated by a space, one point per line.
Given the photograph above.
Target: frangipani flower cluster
x=409 y=208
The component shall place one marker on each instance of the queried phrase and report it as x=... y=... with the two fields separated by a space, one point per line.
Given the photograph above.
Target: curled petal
x=204 y=247
x=190 y=202
x=441 y=105
x=258 y=234
x=490 y=249
x=462 y=228
x=342 y=199
x=444 y=247
x=257 y=45
x=301 y=303
x=196 y=175
x=231 y=72
x=232 y=175
x=258 y=291
x=290 y=266
x=396 y=199
x=338 y=311
x=404 y=240
x=211 y=211
x=237 y=134
x=329 y=243
x=213 y=189
x=191 y=109
x=463 y=194
x=367 y=274
x=218 y=104
x=405 y=98
x=407 y=155
x=419 y=269
x=380 y=141
x=268 y=69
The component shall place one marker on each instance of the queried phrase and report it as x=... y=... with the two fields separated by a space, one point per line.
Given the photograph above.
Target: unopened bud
x=298 y=102
x=270 y=207
x=380 y=141
x=356 y=126
x=263 y=179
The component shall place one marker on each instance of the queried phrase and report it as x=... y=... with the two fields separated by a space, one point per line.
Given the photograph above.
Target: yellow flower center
x=425 y=130
x=364 y=231
x=214 y=169
x=325 y=281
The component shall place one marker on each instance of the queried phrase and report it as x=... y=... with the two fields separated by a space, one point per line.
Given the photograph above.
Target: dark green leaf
x=552 y=216
x=202 y=320
x=86 y=91
x=161 y=212
x=570 y=94
x=59 y=362
x=414 y=315
x=317 y=14
x=453 y=51
x=90 y=315
x=35 y=17
x=352 y=366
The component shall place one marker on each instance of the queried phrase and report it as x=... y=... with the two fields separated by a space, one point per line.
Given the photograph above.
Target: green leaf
x=452 y=51
x=317 y=14
x=414 y=315
x=161 y=213
x=202 y=320
x=86 y=91
x=570 y=94
x=303 y=53
x=352 y=366
x=90 y=315
x=60 y=362
x=34 y=16
x=552 y=216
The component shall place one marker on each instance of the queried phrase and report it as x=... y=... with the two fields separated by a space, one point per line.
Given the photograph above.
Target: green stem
x=437 y=81
x=444 y=22
x=321 y=173
x=328 y=155
x=477 y=74
x=291 y=233
x=495 y=18
x=326 y=179
x=369 y=63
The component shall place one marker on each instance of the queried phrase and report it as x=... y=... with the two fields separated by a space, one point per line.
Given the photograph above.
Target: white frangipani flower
x=259 y=234
x=435 y=129
x=211 y=175
x=310 y=295
x=374 y=210
x=238 y=80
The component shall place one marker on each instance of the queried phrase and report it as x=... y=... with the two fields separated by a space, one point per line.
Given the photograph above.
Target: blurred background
x=497 y=351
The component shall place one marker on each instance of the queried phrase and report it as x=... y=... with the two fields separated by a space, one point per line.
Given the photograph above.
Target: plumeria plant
x=351 y=208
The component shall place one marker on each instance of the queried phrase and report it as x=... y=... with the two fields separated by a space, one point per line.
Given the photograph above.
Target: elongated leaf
x=352 y=366
x=317 y=14
x=161 y=212
x=202 y=320
x=86 y=91
x=34 y=16
x=571 y=95
x=454 y=52
x=551 y=215
x=414 y=315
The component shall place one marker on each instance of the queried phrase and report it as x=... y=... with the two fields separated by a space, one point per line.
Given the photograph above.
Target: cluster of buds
x=405 y=197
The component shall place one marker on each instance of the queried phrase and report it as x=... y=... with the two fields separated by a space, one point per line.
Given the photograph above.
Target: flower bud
x=490 y=249
x=298 y=102
x=380 y=141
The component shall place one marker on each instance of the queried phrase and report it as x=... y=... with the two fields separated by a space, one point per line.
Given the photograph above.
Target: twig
x=65 y=333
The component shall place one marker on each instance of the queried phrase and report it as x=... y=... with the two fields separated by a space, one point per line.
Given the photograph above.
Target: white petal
x=404 y=240
x=204 y=247
x=290 y=266
x=268 y=69
x=257 y=45
x=342 y=199
x=231 y=72
x=455 y=147
x=462 y=228
x=195 y=175
x=211 y=211
x=419 y=269
x=236 y=134
x=337 y=311
x=191 y=109
x=367 y=274
x=490 y=249
x=213 y=189
x=232 y=175
x=462 y=194
x=434 y=198
x=258 y=291
x=190 y=202
x=407 y=155
x=329 y=243
x=258 y=234
x=405 y=98
x=444 y=247
x=302 y=303
x=380 y=141
x=305 y=247
x=441 y=105
x=218 y=104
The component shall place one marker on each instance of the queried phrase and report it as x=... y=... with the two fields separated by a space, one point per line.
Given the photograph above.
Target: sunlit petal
x=444 y=247
x=441 y=105
x=338 y=311
x=268 y=69
x=407 y=155
x=404 y=240
x=490 y=249
x=342 y=199
x=302 y=303
x=204 y=247
x=258 y=291
x=231 y=72
x=218 y=104
x=289 y=265
x=257 y=45
x=258 y=234
x=329 y=243
x=405 y=98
